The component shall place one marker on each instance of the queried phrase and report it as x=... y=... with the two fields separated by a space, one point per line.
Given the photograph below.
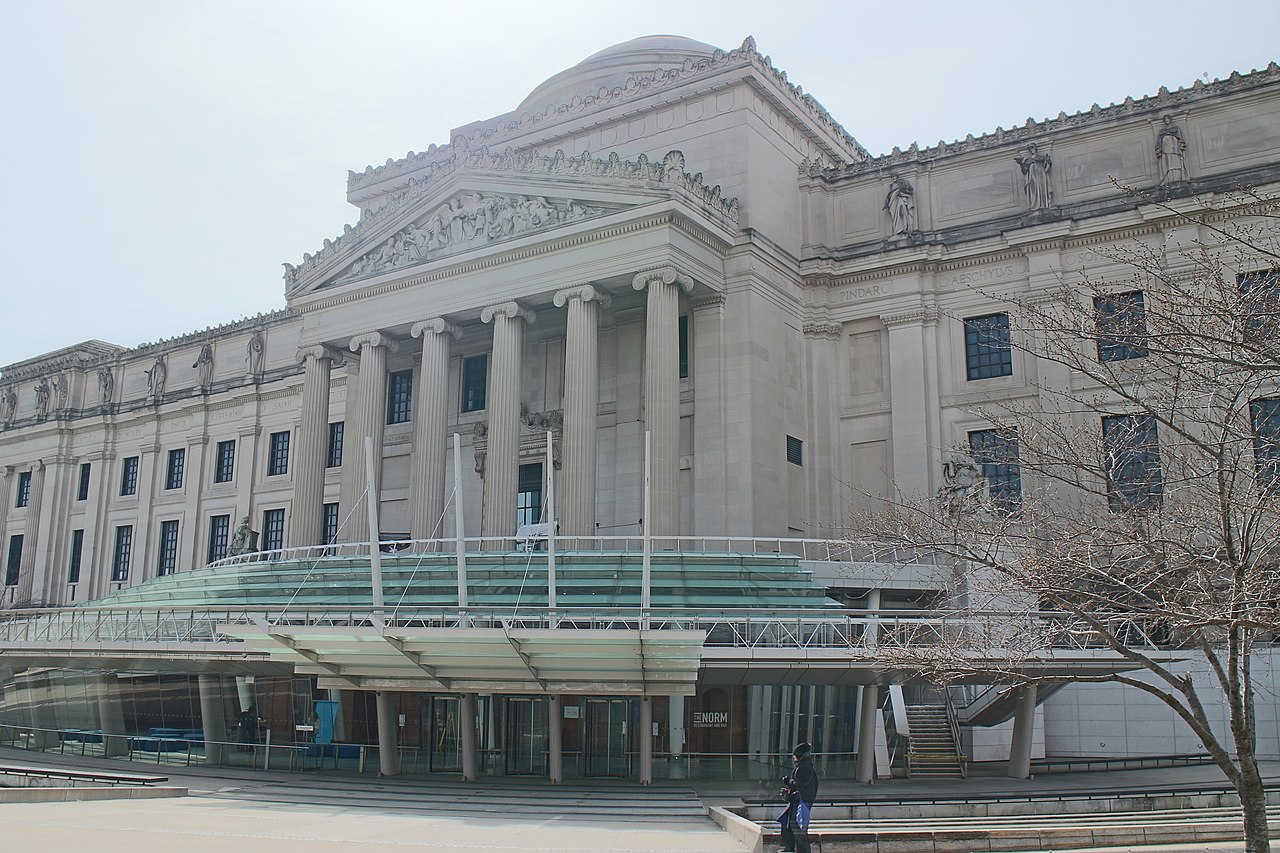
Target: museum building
x=667 y=288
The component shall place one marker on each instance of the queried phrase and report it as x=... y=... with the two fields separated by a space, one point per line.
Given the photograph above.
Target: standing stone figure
x=962 y=486
x=241 y=542
x=59 y=393
x=1170 y=153
x=1035 y=169
x=106 y=387
x=901 y=204
x=255 y=355
x=42 y=399
x=8 y=405
x=204 y=364
x=156 y=377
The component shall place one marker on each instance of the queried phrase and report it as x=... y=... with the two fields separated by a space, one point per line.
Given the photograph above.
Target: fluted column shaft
x=311 y=456
x=502 y=464
x=662 y=394
x=370 y=402
x=431 y=421
x=577 y=510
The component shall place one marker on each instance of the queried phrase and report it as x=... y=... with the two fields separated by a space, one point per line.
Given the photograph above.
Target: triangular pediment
x=482 y=200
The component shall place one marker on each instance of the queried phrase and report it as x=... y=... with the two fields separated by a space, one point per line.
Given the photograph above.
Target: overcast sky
x=164 y=157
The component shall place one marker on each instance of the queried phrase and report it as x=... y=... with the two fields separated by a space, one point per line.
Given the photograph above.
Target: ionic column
x=313 y=438
x=577 y=508
x=368 y=408
x=502 y=466
x=212 y=718
x=662 y=393
x=431 y=422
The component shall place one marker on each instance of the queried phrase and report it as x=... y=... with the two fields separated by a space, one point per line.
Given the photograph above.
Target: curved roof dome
x=612 y=66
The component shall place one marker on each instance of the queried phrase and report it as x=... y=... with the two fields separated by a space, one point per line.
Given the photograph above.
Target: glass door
x=606 y=742
x=444 y=736
x=526 y=741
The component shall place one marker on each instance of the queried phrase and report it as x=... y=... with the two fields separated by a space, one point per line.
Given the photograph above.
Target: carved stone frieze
x=537 y=424
x=822 y=329
x=921 y=315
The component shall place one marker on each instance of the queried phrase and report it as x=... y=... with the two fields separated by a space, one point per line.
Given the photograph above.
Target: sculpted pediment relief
x=468 y=220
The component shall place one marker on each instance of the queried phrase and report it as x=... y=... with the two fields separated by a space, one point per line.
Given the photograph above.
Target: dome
x=610 y=68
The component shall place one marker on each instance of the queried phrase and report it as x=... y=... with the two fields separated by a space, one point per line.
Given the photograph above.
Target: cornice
x=708 y=300
x=926 y=315
x=822 y=329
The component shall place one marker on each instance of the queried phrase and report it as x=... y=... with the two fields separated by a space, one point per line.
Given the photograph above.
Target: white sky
x=165 y=156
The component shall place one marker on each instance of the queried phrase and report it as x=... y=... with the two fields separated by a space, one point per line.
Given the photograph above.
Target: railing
x=874 y=632
x=954 y=725
x=817 y=550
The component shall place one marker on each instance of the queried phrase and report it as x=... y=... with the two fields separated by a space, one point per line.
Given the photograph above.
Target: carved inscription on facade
x=858 y=292
x=984 y=276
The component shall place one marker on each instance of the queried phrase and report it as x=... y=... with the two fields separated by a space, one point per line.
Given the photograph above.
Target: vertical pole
x=551 y=533
x=555 y=729
x=211 y=718
x=867 y=712
x=459 y=529
x=646 y=740
x=375 y=553
x=388 y=749
x=1024 y=727
x=111 y=715
x=646 y=541
x=467 y=724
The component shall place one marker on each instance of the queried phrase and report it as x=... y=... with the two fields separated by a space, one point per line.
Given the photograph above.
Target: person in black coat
x=800 y=790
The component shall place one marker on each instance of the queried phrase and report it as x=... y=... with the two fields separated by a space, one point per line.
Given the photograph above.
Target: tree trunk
x=1253 y=803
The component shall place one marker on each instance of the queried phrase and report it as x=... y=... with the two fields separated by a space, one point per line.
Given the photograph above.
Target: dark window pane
x=24 y=489
x=336 y=431
x=1260 y=304
x=173 y=471
x=77 y=554
x=122 y=554
x=795 y=450
x=168 y=560
x=684 y=346
x=1132 y=447
x=475 y=378
x=224 y=463
x=278 y=457
x=1265 y=415
x=529 y=495
x=995 y=451
x=273 y=530
x=13 y=565
x=82 y=493
x=129 y=476
x=330 y=523
x=219 y=531
x=986 y=347
x=400 y=397
x=1121 y=319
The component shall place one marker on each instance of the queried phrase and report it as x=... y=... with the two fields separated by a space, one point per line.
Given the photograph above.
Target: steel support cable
x=310 y=571
x=435 y=531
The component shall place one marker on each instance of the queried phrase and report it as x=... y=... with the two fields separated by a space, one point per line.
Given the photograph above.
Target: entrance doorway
x=607 y=741
x=526 y=740
x=444 y=737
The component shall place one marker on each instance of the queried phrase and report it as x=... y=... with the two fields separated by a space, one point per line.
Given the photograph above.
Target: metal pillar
x=1024 y=728
x=646 y=740
x=467 y=724
x=867 y=712
x=388 y=748
x=111 y=715
x=555 y=728
x=212 y=719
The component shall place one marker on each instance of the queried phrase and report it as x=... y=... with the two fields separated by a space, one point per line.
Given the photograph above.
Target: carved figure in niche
x=156 y=378
x=8 y=405
x=59 y=393
x=1035 y=171
x=1170 y=153
x=242 y=541
x=204 y=364
x=962 y=485
x=901 y=204
x=106 y=387
x=255 y=354
x=42 y=399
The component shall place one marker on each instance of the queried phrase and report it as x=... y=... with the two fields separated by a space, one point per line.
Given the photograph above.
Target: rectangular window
x=995 y=451
x=13 y=565
x=529 y=495
x=219 y=533
x=129 y=476
x=1260 y=304
x=224 y=461
x=77 y=554
x=399 y=397
x=273 y=530
x=168 y=560
x=795 y=450
x=122 y=554
x=336 y=431
x=82 y=493
x=24 y=489
x=1132 y=447
x=1265 y=415
x=1121 y=319
x=986 y=347
x=278 y=456
x=330 y=524
x=173 y=470
x=475 y=379
x=684 y=346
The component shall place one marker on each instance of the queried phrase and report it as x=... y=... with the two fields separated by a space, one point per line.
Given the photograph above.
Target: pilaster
x=911 y=357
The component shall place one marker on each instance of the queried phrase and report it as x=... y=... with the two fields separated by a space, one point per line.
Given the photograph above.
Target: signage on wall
x=710 y=719
x=571 y=712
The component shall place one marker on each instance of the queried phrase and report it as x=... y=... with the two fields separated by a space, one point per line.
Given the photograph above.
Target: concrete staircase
x=933 y=751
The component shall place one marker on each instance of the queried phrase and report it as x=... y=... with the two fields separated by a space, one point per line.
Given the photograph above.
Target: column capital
x=513 y=310
x=317 y=351
x=373 y=339
x=585 y=292
x=662 y=275
x=436 y=326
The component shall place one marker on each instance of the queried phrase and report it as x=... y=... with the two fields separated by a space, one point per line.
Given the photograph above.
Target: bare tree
x=1133 y=495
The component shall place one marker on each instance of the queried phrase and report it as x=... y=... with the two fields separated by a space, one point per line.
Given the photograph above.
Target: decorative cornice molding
x=924 y=315
x=435 y=326
x=512 y=310
x=822 y=329
x=374 y=339
x=585 y=292
x=662 y=275
x=714 y=299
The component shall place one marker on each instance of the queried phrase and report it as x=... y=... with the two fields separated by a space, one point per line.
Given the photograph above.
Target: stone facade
x=666 y=237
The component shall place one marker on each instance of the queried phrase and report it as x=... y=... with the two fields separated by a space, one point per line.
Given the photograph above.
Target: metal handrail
x=954 y=724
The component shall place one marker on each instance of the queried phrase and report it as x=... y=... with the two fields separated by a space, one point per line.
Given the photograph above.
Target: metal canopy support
x=416 y=659
x=388 y=749
x=467 y=724
x=524 y=658
x=551 y=529
x=867 y=711
x=459 y=530
x=555 y=729
x=646 y=740
x=212 y=719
